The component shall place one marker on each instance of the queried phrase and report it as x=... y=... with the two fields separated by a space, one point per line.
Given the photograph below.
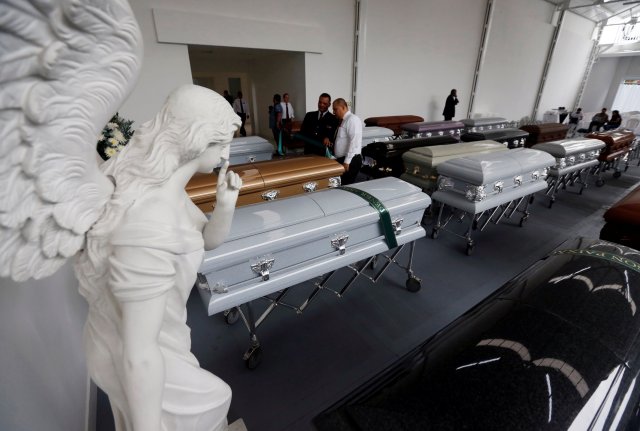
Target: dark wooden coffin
x=385 y=158
x=544 y=132
x=393 y=122
x=618 y=143
x=510 y=137
x=555 y=348
x=623 y=221
x=269 y=180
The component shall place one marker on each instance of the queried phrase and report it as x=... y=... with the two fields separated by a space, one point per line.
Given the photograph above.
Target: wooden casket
x=385 y=158
x=484 y=124
x=574 y=159
x=278 y=244
x=269 y=180
x=510 y=137
x=420 y=164
x=427 y=129
x=618 y=143
x=249 y=149
x=545 y=132
x=393 y=122
x=623 y=221
x=554 y=348
x=376 y=134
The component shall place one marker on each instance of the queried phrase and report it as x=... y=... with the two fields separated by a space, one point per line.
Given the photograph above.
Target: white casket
x=572 y=154
x=277 y=244
x=375 y=134
x=476 y=183
x=249 y=149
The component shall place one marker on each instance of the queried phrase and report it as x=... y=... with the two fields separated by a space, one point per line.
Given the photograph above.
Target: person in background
x=450 y=105
x=228 y=97
x=615 y=121
x=348 y=143
x=320 y=126
x=287 y=119
x=599 y=120
x=576 y=116
x=275 y=118
x=242 y=109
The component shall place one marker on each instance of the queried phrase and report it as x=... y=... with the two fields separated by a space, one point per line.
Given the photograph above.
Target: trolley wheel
x=434 y=233
x=470 y=248
x=413 y=284
x=231 y=316
x=531 y=199
x=524 y=219
x=599 y=182
x=474 y=225
x=617 y=174
x=254 y=357
x=550 y=205
x=626 y=168
x=581 y=190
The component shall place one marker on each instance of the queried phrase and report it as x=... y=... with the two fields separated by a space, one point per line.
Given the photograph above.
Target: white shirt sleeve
x=354 y=137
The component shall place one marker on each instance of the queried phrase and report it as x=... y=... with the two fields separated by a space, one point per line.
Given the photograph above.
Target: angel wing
x=66 y=66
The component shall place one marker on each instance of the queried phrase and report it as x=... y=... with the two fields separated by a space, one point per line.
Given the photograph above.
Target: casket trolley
x=488 y=187
x=618 y=145
x=574 y=159
x=275 y=245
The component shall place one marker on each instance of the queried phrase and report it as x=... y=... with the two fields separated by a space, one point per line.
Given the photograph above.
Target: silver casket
x=572 y=154
x=278 y=244
x=421 y=163
x=249 y=149
x=484 y=123
x=375 y=134
x=427 y=129
x=477 y=183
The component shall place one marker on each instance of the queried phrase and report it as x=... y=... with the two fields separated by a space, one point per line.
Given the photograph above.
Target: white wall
x=412 y=53
x=517 y=48
x=568 y=63
x=599 y=84
x=43 y=377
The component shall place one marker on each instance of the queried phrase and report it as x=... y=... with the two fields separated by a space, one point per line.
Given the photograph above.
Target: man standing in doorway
x=242 y=109
x=348 y=144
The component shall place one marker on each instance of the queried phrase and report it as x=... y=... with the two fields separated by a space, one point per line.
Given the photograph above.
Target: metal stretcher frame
x=246 y=311
x=479 y=221
x=560 y=182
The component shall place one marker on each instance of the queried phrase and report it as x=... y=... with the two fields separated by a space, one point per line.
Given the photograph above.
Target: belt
x=383 y=213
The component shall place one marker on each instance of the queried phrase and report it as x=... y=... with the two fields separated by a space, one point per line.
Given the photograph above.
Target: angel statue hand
x=217 y=229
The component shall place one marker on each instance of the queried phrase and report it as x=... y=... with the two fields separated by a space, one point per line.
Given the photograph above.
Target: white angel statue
x=65 y=68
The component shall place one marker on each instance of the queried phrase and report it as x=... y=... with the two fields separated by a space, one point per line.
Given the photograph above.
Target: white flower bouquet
x=114 y=137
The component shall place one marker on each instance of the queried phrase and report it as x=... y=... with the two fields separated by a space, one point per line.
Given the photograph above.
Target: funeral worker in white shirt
x=348 y=143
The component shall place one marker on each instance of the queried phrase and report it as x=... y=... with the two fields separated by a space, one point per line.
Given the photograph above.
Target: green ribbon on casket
x=385 y=217
x=315 y=143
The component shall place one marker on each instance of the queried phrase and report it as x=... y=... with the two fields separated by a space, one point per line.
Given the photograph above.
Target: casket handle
x=518 y=180
x=251 y=158
x=311 y=186
x=339 y=242
x=396 y=223
x=203 y=283
x=262 y=266
x=335 y=182
x=270 y=195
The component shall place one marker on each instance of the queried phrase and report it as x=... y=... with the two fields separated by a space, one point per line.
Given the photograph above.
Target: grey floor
x=312 y=360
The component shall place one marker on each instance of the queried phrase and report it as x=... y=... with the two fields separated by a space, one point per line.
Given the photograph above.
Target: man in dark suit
x=320 y=126
x=450 y=106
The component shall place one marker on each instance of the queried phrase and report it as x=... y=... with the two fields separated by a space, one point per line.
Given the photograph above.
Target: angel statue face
x=214 y=155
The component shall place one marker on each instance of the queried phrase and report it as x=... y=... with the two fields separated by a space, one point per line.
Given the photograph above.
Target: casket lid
x=617 y=137
x=484 y=168
x=432 y=126
x=458 y=149
x=254 y=219
x=373 y=132
x=626 y=210
x=545 y=128
x=248 y=144
x=307 y=168
x=565 y=147
x=483 y=121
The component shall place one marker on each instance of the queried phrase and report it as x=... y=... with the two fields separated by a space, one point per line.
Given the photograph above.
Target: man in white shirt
x=287 y=109
x=348 y=143
x=242 y=109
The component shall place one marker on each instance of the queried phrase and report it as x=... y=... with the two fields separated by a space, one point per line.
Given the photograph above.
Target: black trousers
x=349 y=177
x=448 y=117
x=243 y=118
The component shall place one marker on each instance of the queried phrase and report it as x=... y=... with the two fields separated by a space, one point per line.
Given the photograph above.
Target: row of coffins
x=618 y=145
x=556 y=347
x=278 y=244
